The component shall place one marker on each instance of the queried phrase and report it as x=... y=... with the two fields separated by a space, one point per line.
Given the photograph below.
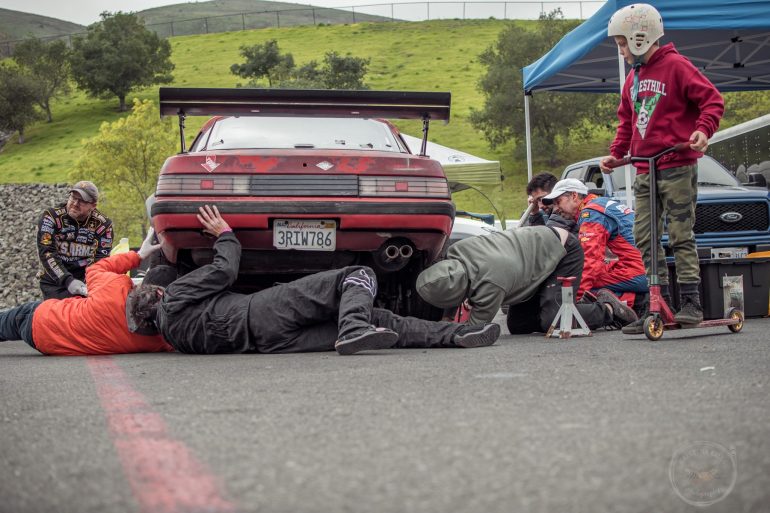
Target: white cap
x=565 y=186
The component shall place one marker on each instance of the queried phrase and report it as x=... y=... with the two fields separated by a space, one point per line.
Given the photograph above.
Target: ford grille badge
x=731 y=217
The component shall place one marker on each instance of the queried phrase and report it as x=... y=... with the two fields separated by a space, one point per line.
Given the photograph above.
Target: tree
x=344 y=72
x=118 y=55
x=48 y=63
x=18 y=95
x=336 y=73
x=124 y=159
x=555 y=117
x=264 y=61
x=743 y=106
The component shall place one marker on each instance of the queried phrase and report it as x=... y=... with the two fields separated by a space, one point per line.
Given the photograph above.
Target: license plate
x=305 y=234
x=739 y=252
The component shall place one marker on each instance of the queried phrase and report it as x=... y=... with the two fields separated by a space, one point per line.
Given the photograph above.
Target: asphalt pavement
x=608 y=423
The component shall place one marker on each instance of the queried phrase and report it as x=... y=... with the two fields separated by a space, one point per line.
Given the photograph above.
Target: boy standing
x=665 y=100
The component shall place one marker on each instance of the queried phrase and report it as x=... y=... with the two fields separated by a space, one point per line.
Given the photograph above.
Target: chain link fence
x=409 y=11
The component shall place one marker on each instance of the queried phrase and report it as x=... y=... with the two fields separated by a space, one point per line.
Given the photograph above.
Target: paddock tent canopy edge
x=728 y=40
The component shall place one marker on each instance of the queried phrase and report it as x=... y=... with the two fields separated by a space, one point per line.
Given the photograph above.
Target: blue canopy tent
x=728 y=40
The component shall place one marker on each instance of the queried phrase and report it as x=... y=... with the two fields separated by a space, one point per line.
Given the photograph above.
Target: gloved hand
x=148 y=248
x=77 y=288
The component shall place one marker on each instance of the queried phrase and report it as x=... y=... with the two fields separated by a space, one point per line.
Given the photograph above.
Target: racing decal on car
x=355 y=164
x=211 y=162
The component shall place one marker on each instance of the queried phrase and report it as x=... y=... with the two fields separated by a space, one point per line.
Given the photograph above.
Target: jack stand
x=566 y=313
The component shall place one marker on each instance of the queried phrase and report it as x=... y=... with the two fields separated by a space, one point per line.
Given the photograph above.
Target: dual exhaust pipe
x=393 y=255
x=393 y=252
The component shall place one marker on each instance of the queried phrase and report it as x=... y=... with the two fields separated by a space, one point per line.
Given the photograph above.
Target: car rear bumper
x=362 y=226
x=290 y=208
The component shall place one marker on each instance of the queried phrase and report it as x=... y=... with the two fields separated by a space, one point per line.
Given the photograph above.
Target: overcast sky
x=86 y=12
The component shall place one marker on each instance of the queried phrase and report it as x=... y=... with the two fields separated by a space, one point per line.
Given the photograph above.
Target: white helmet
x=640 y=24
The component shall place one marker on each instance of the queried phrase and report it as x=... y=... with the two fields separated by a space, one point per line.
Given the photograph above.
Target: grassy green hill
x=430 y=56
x=19 y=25
x=226 y=15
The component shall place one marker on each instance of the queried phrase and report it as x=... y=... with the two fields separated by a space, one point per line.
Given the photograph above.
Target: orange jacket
x=95 y=324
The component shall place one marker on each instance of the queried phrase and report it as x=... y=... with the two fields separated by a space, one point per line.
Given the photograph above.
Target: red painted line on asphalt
x=164 y=475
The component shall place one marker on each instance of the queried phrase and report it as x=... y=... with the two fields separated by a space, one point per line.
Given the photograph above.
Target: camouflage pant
x=677 y=194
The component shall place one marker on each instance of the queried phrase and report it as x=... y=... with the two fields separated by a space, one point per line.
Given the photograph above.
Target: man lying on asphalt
x=517 y=268
x=329 y=310
x=79 y=325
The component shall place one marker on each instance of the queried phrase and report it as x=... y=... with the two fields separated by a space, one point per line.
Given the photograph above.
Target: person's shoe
x=691 y=312
x=477 y=336
x=621 y=313
x=366 y=340
x=635 y=328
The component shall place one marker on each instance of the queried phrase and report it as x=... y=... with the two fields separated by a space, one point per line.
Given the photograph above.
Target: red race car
x=309 y=181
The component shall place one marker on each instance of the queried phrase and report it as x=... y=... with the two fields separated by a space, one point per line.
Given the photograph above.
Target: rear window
x=235 y=133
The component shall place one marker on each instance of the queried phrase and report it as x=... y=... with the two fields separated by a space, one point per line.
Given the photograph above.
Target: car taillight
x=403 y=187
x=190 y=185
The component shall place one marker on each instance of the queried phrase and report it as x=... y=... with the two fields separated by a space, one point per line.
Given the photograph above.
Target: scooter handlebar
x=614 y=163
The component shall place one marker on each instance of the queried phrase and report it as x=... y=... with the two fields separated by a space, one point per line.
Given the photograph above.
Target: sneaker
x=691 y=312
x=621 y=313
x=635 y=328
x=477 y=336
x=367 y=340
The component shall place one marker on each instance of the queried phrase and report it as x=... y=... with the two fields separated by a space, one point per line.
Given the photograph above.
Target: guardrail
x=408 y=11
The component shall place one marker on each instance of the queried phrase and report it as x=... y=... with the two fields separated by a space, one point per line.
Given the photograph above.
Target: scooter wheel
x=734 y=313
x=653 y=328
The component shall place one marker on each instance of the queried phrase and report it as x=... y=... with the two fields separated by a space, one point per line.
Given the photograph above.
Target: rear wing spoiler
x=183 y=102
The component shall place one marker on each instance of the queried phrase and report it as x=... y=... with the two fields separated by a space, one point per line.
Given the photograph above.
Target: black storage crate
x=756 y=285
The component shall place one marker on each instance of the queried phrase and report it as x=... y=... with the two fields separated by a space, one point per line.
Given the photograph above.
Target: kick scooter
x=660 y=317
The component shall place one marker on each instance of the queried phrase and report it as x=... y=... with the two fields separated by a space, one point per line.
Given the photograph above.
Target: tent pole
x=528 y=135
x=627 y=168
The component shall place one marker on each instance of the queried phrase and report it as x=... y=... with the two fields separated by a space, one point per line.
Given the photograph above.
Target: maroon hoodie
x=674 y=100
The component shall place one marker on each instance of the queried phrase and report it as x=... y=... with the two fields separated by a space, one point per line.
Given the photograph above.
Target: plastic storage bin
x=756 y=285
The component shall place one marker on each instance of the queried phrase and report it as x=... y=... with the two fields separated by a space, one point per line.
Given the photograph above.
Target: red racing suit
x=605 y=224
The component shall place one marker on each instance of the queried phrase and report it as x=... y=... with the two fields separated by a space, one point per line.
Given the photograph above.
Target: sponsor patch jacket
x=66 y=247
x=604 y=223
x=95 y=324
